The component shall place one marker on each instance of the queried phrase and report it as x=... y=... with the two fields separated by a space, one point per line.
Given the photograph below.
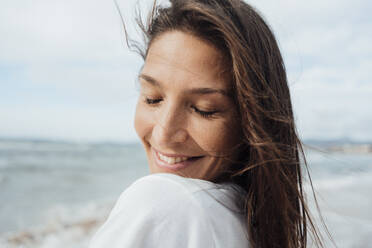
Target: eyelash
x=204 y=114
x=150 y=101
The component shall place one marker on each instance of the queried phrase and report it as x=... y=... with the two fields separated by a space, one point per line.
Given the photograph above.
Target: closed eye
x=205 y=114
x=152 y=101
x=202 y=113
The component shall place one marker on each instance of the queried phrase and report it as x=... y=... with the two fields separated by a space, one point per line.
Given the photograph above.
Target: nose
x=170 y=126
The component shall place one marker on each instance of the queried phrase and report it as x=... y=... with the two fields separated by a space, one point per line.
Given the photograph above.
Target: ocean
x=56 y=194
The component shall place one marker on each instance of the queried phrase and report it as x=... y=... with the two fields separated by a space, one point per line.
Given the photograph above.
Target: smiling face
x=185 y=115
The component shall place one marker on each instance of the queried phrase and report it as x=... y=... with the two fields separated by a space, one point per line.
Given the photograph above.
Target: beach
x=57 y=194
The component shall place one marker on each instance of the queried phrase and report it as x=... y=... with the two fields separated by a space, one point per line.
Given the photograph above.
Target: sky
x=65 y=72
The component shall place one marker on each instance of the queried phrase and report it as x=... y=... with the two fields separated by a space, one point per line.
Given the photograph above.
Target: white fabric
x=169 y=211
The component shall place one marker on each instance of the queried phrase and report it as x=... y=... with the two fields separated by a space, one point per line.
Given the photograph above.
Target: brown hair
x=269 y=166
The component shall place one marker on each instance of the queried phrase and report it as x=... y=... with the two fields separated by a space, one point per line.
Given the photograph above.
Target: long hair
x=270 y=151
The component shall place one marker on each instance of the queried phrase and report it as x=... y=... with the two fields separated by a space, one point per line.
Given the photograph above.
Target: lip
x=171 y=155
x=173 y=167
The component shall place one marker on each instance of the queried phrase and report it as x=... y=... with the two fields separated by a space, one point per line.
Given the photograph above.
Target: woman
x=215 y=118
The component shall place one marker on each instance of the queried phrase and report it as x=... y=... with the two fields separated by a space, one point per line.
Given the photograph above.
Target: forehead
x=177 y=58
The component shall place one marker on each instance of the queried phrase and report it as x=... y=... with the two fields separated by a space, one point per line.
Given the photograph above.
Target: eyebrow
x=200 y=91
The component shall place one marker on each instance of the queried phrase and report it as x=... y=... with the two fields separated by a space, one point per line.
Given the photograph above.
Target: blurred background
x=68 y=93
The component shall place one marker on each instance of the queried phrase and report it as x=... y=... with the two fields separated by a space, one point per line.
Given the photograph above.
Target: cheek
x=142 y=121
x=216 y=138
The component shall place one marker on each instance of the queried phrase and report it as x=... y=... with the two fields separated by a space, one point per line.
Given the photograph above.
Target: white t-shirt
x=169 y=211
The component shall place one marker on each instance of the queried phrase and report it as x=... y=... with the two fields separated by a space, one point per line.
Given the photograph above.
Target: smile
x=173 y=162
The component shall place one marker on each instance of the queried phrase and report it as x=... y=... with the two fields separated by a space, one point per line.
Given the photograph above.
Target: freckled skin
x=180 y=62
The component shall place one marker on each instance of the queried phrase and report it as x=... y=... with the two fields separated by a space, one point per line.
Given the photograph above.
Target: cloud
x=326 y=107
x=65 y=71
x=113 y=123
x=64 y=66
x=327 y=51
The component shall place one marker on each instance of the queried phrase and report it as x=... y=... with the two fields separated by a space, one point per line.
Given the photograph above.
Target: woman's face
x=185 y=115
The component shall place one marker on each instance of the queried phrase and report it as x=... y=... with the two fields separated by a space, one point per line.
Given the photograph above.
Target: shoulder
x=171 y=182
x=167 y=210
x=190 y=185
x=156 y=211
x=162 y=192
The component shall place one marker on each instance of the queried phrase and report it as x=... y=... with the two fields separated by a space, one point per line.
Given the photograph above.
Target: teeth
x=172 y=160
